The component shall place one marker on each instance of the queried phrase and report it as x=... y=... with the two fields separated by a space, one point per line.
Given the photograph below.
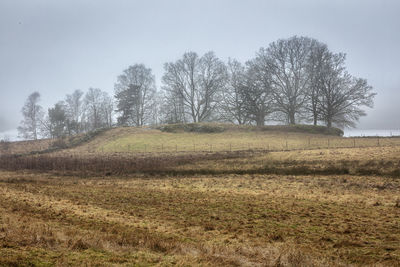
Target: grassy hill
x=198 y=137
x=210 y=137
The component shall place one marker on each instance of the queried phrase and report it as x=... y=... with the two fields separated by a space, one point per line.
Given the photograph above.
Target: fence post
x=354 y=142
x=309 y=142
x=378 y=141
x=328 y=143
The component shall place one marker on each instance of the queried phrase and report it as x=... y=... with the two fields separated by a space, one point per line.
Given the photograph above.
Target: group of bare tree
x=292 y=80
x=79 y=112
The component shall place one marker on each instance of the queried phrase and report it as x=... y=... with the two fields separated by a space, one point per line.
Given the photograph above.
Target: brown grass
x=245 y=220
x=355 y=161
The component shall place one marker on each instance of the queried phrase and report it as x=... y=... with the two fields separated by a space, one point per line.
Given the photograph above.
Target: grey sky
x=55 y=47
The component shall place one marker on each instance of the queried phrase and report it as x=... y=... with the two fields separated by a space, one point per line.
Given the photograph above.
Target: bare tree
x=341 y=95
x=33 y=116
x=172 y=108
x=94 y=109
x=5 y=144
x=287 y=66
x=74 y=111
x=196 y=82
x=135 y=91
x=318 y=58
x=233 y=104
x=107 y=109
x=256 y=92
x=156 y=109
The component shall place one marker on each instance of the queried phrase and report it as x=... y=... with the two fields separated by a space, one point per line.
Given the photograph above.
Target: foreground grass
x=246 y=220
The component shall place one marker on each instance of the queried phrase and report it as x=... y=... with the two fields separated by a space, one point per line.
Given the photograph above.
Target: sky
x=55 y=47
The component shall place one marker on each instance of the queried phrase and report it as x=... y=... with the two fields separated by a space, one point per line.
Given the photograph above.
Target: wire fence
x=257 y=145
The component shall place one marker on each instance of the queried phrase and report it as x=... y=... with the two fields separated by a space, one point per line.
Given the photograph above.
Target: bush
x=220 y=127
x=303 y=128
x=59 y=143
x=5 y=144
x=193 y=127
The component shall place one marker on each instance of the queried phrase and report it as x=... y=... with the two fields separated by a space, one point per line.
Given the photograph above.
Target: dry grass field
x=98 y=204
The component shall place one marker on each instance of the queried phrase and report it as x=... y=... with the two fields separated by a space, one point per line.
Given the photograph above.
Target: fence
x=260 y=145
x=246 y=144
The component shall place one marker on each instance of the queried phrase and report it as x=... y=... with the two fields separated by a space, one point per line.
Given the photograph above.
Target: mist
x=55 y=47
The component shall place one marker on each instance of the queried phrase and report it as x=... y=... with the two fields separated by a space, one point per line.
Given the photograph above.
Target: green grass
x=156 y=141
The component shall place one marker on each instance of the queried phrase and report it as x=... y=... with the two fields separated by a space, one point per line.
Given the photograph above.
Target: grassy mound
x=221 y=127
x=51 y=145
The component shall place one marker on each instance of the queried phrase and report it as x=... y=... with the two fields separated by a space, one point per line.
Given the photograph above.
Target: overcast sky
x=55 y=47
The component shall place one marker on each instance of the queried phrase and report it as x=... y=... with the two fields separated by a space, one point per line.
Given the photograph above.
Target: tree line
x=290 y=81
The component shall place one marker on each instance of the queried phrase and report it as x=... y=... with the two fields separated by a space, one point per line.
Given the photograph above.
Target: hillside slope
x=208 y=137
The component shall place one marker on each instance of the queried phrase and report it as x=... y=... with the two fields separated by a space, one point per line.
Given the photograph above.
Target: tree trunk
x=292 y=119
x=260 y=120
x=315 y=119
x=329 y=123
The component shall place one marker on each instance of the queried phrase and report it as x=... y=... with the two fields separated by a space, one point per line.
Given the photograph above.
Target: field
x=315 y=201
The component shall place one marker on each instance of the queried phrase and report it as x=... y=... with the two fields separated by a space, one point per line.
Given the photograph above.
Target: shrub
x=59 y=143
x=193 y=127
x=303 y=128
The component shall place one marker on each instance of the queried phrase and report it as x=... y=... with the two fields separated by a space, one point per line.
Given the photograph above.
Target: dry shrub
x=19 y=233
x=159 y=244
x=105 y=165
x=397 y=204
x=78 y=244
x=281 y=254
x=59 y=143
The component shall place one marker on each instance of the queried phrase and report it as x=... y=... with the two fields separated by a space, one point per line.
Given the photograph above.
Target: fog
x=55 y=47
